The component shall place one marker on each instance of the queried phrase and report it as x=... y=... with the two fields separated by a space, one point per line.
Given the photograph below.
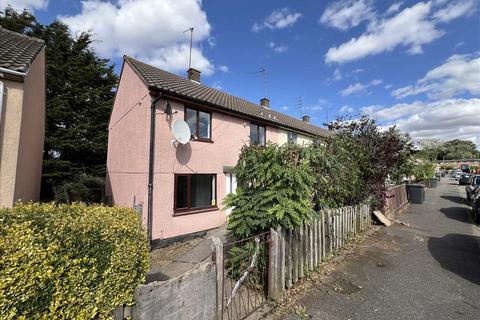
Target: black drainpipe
x=155 y=98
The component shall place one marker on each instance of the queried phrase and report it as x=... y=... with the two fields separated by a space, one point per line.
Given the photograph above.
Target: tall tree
x=457 y=150
x=80 y=91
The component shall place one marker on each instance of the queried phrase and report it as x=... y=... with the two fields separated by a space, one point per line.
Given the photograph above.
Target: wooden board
x=382 y=218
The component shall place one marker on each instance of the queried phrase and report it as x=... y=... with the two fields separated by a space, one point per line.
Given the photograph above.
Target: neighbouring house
x=22 y=116
x=187 y=182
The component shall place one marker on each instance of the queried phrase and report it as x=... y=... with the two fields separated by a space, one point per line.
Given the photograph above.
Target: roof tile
x=17 y=51
x=173 y=84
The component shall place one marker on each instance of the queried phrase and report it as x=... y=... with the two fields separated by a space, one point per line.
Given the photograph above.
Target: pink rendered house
x=178 y=189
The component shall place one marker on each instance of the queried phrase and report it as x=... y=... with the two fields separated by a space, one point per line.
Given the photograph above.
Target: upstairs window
x=257 y=134
x=200 y=123
x=292 y=137
x=195 y=191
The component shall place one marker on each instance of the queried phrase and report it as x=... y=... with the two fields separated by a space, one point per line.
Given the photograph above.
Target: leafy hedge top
x=275 y=187
x=284 y=185
x=69 y=261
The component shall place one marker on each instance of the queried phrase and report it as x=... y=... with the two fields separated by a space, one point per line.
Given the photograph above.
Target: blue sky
x=415 y=64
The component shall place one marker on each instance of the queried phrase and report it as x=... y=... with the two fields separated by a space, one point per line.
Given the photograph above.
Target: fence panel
x=395 y=199
x=294 y=251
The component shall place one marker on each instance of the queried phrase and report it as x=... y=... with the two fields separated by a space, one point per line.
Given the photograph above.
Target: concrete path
x=427 y=270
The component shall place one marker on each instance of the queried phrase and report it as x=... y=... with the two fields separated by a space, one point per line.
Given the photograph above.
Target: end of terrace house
x=178 y=189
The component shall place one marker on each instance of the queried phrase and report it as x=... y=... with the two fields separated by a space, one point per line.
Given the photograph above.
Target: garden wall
x=190 y=296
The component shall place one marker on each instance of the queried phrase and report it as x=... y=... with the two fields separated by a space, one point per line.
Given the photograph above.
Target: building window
x=195 y=191
x=257 y=134
x=200 y=123
x=292 y=137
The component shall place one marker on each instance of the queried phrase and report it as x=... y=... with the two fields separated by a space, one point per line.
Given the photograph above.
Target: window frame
x=197 y=123
x=190 y=210
x=293 y=134
x=258 y=134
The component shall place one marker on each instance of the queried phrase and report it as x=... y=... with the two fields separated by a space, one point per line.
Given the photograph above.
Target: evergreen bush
x=69 y=261
x=275 y=187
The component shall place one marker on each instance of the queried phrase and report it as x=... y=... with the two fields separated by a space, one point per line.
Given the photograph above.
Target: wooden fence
x=292 y=252
x=395 y=199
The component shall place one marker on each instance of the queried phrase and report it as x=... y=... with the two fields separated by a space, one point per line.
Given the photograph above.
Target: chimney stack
x=265 y=103
x=306 y=118
x=194 y=75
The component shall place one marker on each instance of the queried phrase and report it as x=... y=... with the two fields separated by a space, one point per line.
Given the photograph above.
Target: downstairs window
x=195 y=192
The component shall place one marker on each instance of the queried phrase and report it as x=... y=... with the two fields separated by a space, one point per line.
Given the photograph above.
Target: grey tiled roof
x=17 y=51
x=173 y=84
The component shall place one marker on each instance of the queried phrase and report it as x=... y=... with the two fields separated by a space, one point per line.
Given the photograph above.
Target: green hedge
x=69 y=261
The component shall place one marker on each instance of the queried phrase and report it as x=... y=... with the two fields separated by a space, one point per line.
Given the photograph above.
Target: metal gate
x=245 y=276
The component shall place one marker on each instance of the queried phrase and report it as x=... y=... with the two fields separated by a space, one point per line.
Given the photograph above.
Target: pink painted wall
x=127 y=153
x=32 y=133
x=128 y=158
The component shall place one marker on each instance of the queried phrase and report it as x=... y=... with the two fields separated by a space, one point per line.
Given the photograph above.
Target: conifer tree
x=79 y=97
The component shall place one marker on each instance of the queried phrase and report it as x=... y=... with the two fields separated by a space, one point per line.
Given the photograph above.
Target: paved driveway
x=428 y=270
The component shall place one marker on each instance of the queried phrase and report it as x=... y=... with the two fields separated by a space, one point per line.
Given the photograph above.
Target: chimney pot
x=265 y=103
x=306 y=118
x=194 y=75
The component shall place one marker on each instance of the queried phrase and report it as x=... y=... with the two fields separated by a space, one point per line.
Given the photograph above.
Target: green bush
x=423 y=170
x=69 y=261
x=275 y=187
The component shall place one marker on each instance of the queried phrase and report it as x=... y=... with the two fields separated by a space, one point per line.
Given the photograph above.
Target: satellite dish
x=181 y=131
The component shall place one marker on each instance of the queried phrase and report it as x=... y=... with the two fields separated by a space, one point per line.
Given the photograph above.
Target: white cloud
x=337 y=75
x=394 y=7
x=285 y=108
x=409 y=27
x=455 y=10
x=25 y=4
x=347 y=13
x=217 y=85
x=412 y=28
x=223 y=68
x=278 y=19
x=457 y=75
x=150 y=30
x=445 y=119
x=277 y=48
x=346 y=109
x=353 y=88
x=359 y=87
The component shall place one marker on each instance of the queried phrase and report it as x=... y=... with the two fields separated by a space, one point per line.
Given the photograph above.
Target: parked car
x=475 y=201
x=464 y=178
x=471 y=185
x=457 y=176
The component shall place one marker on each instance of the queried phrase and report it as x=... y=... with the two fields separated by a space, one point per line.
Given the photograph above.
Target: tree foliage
x=275 y=187
x=434 y=149
x=283 y=185
x=377 y=154
x=80 y=90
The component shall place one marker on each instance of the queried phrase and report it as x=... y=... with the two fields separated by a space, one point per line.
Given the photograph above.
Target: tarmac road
x=427 y=270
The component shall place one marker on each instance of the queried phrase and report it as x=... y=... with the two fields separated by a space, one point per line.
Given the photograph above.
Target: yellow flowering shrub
x=69 y=261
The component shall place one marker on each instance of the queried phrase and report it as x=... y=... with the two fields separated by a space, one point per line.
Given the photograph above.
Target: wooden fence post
x=281 y=260
x=295 y=262
x=301 y=251
x=288 y=258
x=273 y=266
x=323 y=234
x=217 y=248
x=310 y=245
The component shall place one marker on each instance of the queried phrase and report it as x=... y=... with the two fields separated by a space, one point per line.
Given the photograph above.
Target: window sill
x=184 y=212
x=203 y=140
